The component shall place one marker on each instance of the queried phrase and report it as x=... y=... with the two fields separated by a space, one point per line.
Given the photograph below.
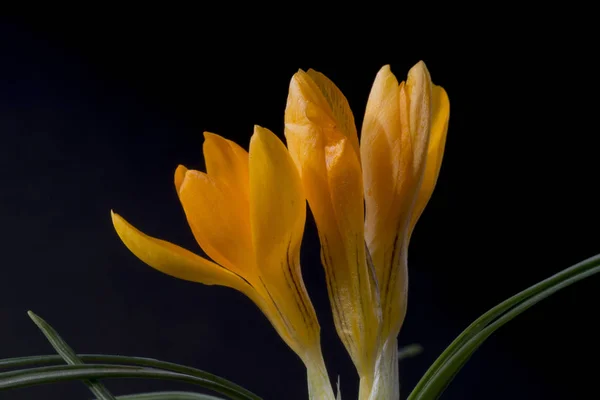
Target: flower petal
x=440 y=115
x=418 y=93
x=218 y=220
x=176 y=261
x=331 y=175
x=339 y=106
x=389 y=188
x=278 y=213
x=183 y=264
x=227 y=162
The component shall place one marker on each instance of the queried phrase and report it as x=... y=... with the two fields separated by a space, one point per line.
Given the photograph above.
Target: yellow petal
x=278 y=212
x=331 y=176
x=183 y=264
x=437 y=141
x=390 y=183
x=418 y=91
x=387 y=165
x=219 y=222
x=339 y=107
x=227 y=162
x=174 y=260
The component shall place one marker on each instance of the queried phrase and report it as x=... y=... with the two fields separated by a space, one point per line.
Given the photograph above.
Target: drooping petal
x=176 y=261
x=331 y=175
x=219 y=224
x=440 y=115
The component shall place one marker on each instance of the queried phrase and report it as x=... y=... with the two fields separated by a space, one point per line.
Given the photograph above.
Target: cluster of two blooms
x=248 y=211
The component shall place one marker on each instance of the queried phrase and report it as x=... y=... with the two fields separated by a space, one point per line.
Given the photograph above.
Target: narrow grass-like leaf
x=21 y=362
x=168 y=396
x=70 y=357
x=443 y=370
x=63 y=373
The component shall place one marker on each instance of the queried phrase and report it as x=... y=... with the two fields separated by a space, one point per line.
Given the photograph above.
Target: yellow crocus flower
x=247 y=212
x=394 y=170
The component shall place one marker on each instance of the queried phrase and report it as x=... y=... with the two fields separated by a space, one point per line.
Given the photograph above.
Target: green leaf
x=137 y=361
x=443 y=370
x=63 y=373
x=70 y=357
x=168 y=396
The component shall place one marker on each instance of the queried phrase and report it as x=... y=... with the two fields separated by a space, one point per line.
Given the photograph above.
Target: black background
x=95 y=114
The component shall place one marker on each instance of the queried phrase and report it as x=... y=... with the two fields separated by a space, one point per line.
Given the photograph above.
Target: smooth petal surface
x=183 y=264
x=278 y=213
x=332 y=179
x=387 y=162
x=418 y=92
x=227 y=162
x=219 y=222
x=176 y=261
x=440 y=115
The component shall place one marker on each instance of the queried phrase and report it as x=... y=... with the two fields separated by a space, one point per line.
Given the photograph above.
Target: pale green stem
x=319 y=385
x=386 y=382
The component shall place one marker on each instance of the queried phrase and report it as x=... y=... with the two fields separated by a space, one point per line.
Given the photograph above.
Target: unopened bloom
x=394 y=170
x=247 y=212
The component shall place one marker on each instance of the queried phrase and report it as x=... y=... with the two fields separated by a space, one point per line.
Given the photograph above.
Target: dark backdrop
x=96 y=116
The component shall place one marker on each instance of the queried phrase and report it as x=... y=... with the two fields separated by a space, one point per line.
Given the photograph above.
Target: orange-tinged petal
x=331 y=176
x=339 y=107
x=391 y=182
x=437 y=141
x=183 y=264
x=387 y=165
x=179 y=176
x=227 y=162
x=278 y=212
x=219 y=224
x=418 y=91
x=176 y=261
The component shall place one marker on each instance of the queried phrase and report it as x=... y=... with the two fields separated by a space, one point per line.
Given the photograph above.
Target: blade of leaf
x=70 y=357
x=168 y=396
x=138 y=361
x=443 y=370
x=63 y=373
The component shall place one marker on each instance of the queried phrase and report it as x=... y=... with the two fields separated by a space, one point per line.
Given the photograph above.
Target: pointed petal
x=437 y=141
x=339 y=106
x=219 y=223
x=174 y=260
x=395 y=140
x=390 y=185
x=386 y=152
x=278 y=212
x=418 y=92
x=331 y=176
x=183 y=264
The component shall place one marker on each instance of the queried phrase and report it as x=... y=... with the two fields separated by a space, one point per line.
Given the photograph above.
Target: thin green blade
x=63 y=373
x=21 y=362
x=70 y=357
x=443 y=370
x=168 y=396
